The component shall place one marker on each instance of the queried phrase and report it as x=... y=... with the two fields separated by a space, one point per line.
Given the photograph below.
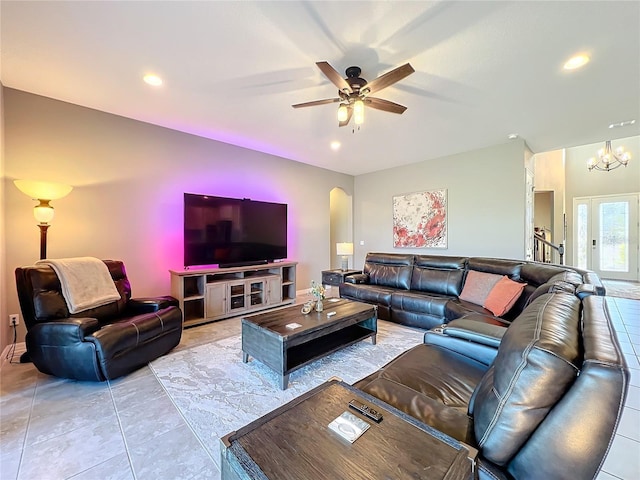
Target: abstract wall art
x=420 y=220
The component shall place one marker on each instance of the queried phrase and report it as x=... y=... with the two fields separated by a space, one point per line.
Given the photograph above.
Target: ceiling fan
x=353 y=92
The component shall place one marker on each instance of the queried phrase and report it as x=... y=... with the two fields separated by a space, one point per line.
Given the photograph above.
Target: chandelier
x=609 y=159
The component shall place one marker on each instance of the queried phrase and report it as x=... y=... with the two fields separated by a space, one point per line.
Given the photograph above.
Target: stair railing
x=541 y=254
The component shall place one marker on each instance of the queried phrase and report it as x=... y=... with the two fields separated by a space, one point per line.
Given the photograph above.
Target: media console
x=208 y=294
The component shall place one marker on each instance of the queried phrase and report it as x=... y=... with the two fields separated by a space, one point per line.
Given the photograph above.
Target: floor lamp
x=43 y=192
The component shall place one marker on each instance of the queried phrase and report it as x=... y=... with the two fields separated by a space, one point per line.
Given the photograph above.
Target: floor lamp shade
x=345 y=250
x=44 y=192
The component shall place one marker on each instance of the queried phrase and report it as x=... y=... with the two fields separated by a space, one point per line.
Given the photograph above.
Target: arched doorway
x=341 y=224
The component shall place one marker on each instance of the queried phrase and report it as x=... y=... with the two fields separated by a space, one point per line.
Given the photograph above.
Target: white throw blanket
x=86 y=282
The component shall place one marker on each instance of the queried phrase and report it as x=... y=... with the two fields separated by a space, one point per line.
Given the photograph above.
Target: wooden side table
x=294 y=442
x=336 y=277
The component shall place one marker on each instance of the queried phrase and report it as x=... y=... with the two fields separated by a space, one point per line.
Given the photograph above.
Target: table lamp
x=345 y=250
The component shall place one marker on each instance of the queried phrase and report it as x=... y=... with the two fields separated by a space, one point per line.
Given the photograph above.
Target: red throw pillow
x=477 y=286
x=503 y=296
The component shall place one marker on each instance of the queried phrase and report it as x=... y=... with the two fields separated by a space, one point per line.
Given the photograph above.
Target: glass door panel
x=615 y=237
x=605 y=236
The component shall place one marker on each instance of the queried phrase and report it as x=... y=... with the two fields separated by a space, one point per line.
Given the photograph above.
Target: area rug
x=616 y=288
x=217 y=393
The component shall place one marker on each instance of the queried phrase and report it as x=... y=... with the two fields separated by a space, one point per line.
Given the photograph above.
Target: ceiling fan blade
x=386 y=105
x=334 y=76
x=316 y=102
x=349 y=113
x=388 y=78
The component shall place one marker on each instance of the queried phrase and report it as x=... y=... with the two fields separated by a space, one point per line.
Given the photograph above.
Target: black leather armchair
x=97 y=344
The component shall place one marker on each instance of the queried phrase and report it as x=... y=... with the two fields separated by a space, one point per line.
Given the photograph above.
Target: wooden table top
x=294 y=442
x=275 y=322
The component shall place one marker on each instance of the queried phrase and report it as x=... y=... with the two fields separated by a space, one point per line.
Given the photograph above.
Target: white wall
x=485 y=202
x=341 y=223
x=550 y=177
x=580 y=182
x=5 y=331
x=543 y=211
x=129 y=178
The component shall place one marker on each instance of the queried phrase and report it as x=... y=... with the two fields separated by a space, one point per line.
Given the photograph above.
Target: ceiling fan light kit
x=354 y=91
x=358 y=112
x=343 y=113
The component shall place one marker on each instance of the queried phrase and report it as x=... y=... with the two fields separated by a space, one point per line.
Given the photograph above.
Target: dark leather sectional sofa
x=423 y=290
x=539 y=394
x=99 y=344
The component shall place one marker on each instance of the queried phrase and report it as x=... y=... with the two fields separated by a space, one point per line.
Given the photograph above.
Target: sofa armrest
x=476 y=351
x=472 y=338
x=357 y=278
x=585 y=290
x=66 y=331
x=475 y=331
x=593 y=279
x=59 y=348
x=137 y=306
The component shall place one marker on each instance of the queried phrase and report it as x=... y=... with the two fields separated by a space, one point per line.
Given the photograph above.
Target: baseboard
x=20 y=349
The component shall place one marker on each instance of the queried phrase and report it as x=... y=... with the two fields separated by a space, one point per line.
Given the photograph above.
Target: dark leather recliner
x=99 y=344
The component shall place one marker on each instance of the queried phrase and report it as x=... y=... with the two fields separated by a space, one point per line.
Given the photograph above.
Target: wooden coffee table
x=294 y=442
x=274 y=339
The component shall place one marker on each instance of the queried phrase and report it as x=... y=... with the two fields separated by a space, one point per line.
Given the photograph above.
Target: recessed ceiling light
x=622 y=124
x=513 y=136
x=335 y=145
x=576 y=61
x=152 y=79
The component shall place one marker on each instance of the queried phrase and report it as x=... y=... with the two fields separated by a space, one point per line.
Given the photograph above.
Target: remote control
x=366 y=411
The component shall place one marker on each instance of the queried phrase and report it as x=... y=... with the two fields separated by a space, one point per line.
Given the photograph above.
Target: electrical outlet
x=14 y=319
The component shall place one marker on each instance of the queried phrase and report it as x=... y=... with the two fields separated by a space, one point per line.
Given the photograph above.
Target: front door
x=606 y=235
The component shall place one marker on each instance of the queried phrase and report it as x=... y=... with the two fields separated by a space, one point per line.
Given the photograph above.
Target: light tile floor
x=130 y=429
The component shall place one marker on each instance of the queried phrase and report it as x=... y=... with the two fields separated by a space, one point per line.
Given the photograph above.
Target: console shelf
x=208 y=294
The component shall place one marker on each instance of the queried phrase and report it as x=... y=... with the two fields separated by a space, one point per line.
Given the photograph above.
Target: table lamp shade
x=344 y=248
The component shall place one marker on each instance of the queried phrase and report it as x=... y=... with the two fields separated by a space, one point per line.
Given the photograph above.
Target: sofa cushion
x=552 y=287
x=477 y=286
x=367 y=293
x=424 y=321
x=499 y=266
x=415 y=383
x=438 y=274
x=503 y=296
x=389 y=270
x=537 y=362
x=420 y=302
x=418 y=309
x=459 y=308
x=536 y=273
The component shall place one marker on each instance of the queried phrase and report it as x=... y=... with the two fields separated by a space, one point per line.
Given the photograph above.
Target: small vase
x=319 y=306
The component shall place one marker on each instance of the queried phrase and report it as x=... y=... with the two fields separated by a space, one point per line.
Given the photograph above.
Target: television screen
x=232 y=231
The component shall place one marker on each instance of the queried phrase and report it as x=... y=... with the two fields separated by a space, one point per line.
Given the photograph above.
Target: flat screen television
x=232 y=231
